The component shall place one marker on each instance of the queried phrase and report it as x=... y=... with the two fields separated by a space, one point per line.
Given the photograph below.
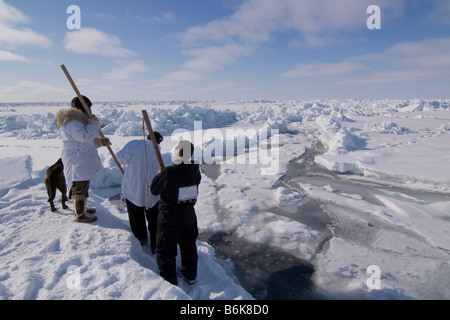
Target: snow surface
x=388 y=203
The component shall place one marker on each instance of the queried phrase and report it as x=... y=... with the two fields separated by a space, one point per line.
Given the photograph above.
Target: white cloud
x=12 y=38
x=399 y=75
x=253 y=22
x=205 y=60
x=323 y=69
x=10 y=15
x=256 y=22
x=126 y=71
x=9 y=56
x=214 y=57
x=12 y=34
x=164 y=17
x=410 y=61
x=30 y=91
x=425 y=53
x=183 y=75
x=425 y=60
x=93 y=41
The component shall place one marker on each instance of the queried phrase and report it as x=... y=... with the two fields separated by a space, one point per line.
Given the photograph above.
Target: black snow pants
x=137 y=216
x=177 y=228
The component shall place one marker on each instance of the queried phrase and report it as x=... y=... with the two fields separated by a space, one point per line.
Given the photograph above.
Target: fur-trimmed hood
x=63 y=117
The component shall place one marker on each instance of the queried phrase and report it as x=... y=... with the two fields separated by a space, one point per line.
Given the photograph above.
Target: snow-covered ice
x=377 y=172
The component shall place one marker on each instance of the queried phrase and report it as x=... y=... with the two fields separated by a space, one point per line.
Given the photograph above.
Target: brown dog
x=54 y=179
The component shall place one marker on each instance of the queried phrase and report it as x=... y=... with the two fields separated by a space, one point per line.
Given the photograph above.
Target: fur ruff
x=63 y=117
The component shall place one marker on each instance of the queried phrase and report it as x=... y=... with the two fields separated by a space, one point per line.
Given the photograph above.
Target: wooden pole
x=152 y=138
x=88 y=111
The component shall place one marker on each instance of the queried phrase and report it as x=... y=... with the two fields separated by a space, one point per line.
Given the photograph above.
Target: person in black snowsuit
x=177 y=186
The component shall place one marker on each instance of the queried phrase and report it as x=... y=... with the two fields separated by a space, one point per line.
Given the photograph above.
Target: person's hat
x=76 y=103
x=158 y=136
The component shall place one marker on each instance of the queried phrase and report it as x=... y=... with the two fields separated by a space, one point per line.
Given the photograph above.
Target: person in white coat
x=142 y=166
x=80 y=137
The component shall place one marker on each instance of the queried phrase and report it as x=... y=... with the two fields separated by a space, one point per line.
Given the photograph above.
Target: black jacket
x=177 y=186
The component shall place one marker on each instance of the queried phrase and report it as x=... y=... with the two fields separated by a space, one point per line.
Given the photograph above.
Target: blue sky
x=224 y=50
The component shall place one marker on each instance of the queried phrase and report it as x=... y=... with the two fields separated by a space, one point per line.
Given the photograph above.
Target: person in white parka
x=80 y=137
x=141 y=166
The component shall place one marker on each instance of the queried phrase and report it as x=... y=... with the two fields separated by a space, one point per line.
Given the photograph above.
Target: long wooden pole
x=152 y=138
x=88 y=111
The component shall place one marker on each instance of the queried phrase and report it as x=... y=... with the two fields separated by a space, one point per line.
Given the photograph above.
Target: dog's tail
x=49 y=188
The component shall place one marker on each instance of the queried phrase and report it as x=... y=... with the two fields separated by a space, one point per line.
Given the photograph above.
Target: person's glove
x=102 y=142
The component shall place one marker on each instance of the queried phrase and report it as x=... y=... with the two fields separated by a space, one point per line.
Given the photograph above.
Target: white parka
x=79 y=154
x=134 y=181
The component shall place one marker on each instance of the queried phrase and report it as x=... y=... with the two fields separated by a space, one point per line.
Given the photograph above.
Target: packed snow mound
x=337 y=138
x=424 y=106
x=286 y=197
x=120 y=122
x=165 y=121
x=125 y=120
x=24 y=126
x=386 y=127
x=15 y=171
